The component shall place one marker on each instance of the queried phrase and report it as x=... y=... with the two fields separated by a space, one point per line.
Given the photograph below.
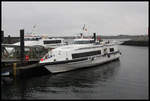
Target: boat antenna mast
x=33 y=29
x=84 y=30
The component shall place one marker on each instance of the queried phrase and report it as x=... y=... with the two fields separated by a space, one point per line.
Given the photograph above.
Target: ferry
x=82 y=53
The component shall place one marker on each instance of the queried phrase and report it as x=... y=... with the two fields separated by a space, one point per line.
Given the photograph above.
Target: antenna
x=33 y=29
x=84 y=30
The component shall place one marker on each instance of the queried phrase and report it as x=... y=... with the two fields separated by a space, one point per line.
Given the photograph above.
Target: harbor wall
x=138 y=41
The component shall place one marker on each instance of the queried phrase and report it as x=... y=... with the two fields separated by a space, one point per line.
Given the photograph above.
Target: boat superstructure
x=45 y=42
x=33 y=39
x=81 y=54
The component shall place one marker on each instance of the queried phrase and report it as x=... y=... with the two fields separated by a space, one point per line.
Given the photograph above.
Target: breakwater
x=137 y=41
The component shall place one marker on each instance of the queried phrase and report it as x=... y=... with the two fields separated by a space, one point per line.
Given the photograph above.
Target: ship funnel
x=81 y=35
x=94 y=36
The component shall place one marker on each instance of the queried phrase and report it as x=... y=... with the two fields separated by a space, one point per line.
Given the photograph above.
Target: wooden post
x=14 y=69
x=2 y=36
x=1 y=41
x=9 y=39
x=22 y=45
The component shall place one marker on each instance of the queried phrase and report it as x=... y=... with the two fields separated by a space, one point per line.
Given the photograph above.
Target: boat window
x=84 y=42
x=111 y=49
x=79 y=55
x=31 y=39
x=52 y=41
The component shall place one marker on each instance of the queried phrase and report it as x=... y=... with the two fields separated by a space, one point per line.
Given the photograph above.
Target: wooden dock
x=19 y=59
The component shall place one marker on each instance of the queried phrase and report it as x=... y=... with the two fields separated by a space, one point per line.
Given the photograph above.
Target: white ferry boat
x=82 y=54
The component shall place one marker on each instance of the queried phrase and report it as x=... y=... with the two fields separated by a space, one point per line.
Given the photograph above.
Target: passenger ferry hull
x=92 y=61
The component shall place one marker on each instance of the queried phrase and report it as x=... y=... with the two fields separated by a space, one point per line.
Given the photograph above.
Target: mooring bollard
x=14 y=69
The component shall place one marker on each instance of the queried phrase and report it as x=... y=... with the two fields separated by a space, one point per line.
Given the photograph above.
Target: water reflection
x=60 y=83
x=84 y=77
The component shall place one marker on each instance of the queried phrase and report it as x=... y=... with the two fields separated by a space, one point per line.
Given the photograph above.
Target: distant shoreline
x=136 y=43
x=137 y=40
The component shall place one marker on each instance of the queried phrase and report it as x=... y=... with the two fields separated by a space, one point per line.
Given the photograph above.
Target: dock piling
x=14 y=69
x=22 y=45
x=94 y=36
x=2 y=36
x=1 y=41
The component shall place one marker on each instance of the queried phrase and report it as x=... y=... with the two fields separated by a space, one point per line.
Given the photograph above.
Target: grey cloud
x=63 y=18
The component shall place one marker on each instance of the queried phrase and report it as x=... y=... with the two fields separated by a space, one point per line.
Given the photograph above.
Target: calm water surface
x=126 y=78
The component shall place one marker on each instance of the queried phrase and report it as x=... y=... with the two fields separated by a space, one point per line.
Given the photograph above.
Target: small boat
x=82 y=53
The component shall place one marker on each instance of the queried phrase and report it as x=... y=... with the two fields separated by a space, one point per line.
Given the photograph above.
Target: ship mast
x=84 y=31
x=33 y=30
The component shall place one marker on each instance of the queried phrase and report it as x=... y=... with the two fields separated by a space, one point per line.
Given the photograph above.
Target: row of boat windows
x=45 y=42
x=52 y=41
x=84 y=42
x=32 y=39
x=80 y=55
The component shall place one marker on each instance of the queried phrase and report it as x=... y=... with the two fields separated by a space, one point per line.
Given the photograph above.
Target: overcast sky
x=68 y=18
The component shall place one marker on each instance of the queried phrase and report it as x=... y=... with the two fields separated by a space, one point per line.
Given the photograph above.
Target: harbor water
x=126 y=78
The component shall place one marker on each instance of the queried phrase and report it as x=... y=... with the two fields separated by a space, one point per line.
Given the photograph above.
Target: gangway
x=11 y=53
